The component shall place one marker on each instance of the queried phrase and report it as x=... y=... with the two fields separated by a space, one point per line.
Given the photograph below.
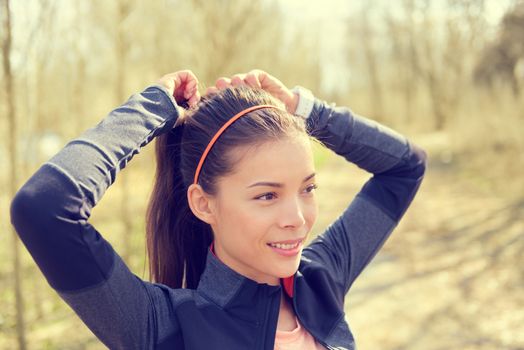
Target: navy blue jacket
x=227 y=310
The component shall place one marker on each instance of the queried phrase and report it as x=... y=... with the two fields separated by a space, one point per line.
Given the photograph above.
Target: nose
x=292 y=214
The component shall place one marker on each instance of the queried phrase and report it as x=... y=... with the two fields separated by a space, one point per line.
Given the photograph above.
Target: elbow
x=395 y=189
x=418 y=161
x=36 y=204
x=22 y=210
x=412 y=165
x=46 y=200
x=29 y=206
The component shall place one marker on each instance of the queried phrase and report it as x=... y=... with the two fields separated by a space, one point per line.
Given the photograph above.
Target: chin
x=288 y=270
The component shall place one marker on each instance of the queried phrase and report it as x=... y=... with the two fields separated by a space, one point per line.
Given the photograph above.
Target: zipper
x=264 y=326
x=265 y=323
x=327 y=346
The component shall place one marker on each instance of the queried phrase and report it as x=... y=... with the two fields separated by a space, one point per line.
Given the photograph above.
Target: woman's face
x=269 y=198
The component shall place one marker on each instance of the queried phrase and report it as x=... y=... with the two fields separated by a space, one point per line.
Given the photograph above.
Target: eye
x=312 y=187
x=267 y=194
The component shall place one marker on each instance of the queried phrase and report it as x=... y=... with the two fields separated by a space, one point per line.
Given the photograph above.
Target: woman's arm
x=398 y=167
x=51 y=211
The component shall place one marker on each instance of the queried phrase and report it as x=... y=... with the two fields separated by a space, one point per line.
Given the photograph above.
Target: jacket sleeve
x=50 y=214
x=398 y=166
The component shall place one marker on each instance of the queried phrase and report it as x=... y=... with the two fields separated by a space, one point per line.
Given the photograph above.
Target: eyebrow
x=276 y=184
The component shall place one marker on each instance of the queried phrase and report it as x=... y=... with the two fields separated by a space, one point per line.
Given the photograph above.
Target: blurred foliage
x=439 y=72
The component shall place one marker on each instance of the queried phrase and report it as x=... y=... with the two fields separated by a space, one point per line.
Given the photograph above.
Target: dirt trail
x=450 y=276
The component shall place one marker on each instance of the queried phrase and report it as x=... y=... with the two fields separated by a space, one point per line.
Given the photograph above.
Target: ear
x=201 y=204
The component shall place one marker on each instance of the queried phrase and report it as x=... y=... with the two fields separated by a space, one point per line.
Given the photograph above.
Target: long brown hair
x=177 y=241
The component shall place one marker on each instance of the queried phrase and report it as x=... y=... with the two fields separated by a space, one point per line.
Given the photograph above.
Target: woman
x=231 y=209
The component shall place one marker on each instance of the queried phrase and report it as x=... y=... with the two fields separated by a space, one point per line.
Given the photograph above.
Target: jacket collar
x=227 y=288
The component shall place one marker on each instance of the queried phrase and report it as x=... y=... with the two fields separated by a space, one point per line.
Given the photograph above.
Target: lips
x=286 y=245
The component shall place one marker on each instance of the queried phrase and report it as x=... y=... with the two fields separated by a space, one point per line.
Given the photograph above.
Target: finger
x=252 y=80
x=238 y=79
x=191 y=85
x=211 y=90
x=223 y=82
x=193 y=100
x=187 y=76
x=189 y=93
x=263 y=78
x=190 y=89
x=176 y=83
x=172 y=78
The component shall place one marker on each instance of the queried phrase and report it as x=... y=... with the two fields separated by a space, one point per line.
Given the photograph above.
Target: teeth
x=284 y=246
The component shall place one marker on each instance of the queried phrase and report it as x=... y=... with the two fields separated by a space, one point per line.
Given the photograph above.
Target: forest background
x=448 y=74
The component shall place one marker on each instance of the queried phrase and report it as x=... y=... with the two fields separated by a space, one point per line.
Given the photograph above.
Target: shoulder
x=172 y=308
x=176 y=303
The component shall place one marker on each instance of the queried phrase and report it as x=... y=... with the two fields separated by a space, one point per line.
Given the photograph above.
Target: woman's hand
x=259 y=79
x=183 y=85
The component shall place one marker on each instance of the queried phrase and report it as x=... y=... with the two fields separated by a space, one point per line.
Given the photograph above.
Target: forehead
x=285 y=160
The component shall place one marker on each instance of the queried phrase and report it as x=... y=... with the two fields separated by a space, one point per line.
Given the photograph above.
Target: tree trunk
x=368 y=38
x=409 y=81
x=122 y=46
x=13 y=180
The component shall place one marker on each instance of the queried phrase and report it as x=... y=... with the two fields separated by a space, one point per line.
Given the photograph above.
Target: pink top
x=297 y=339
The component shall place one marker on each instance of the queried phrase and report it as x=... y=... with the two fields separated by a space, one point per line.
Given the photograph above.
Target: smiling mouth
x=286 y=245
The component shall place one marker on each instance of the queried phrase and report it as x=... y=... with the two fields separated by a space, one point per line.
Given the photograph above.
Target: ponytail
x=177 y=241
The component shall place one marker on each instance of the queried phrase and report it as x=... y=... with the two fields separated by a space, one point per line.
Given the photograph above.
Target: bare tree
x=79 y=67
x=500 y=59
x=36 y=53
x=124 y=8
x=13 y=183
x=368 y=38
x=401 y=35
x=227 y=37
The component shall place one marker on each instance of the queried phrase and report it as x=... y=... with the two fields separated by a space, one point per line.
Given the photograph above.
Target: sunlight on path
x=449 y=275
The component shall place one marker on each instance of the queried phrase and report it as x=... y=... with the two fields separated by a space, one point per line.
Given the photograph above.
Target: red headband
x=222 y=129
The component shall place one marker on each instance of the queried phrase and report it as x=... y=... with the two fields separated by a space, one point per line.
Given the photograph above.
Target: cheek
x=256 y=223
x=311 y=213
x=244 y=223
